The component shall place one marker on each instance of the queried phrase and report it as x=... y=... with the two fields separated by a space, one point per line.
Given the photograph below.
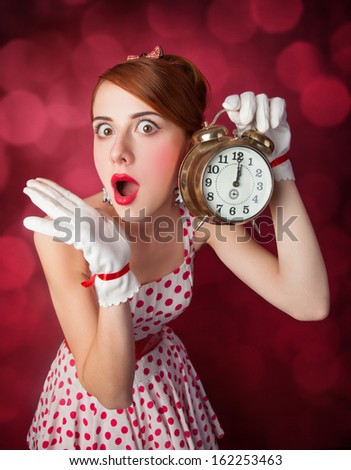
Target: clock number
x=255 y=199
x=232 y=210
x=238 y=156
x=223 y=159
x=246 y=209
x=208 y=182
x=210 y=196
x=219 y=208
x=250 y=161
x=213 y=169
x=259 y=186
x=258 y=172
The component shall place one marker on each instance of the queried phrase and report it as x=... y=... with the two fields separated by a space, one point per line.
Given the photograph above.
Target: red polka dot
x=159 y=296
x=168 y=284
x=87 y=436
x=149 y=291
x=118 y=441
x=124 y=430
x=140 y=303
x=169 y=302
x=177 y=289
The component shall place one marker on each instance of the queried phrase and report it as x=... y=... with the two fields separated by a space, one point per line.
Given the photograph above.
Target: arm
x=295 y=280
x=97 y=327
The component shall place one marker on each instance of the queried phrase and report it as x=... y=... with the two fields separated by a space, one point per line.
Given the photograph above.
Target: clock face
x=237 y=184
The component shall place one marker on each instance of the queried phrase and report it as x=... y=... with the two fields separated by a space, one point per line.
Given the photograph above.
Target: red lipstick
x=125 y=188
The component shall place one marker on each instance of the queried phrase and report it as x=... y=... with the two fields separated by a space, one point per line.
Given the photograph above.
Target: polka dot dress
x=170 y=409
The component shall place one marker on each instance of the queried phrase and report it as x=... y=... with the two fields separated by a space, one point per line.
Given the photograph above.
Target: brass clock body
x=224 y=179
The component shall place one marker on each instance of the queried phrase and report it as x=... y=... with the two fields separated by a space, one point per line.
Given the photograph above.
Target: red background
x=274 y=382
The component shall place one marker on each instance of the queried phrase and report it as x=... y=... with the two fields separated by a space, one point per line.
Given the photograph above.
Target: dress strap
x=188 y=221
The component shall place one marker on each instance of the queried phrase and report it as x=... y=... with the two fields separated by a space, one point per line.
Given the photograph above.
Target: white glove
x=76 y=223
x=268 y=116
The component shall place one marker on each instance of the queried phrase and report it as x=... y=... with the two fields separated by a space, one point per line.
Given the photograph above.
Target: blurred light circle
x=82 y=181
x=230 y=22
x=298 y=64
x=66 y=107
x=16 y=61
x=341 y=47
x=18 y=263
x=275 y=16
x=210 y=60
x=241 y=79
x=13 y=304
x=34 y=64
x=325 y=101
x=180 y=18
x=93 y=56
x=23 y=117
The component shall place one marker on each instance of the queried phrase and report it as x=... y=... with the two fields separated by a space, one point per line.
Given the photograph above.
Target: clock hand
x=238 y=174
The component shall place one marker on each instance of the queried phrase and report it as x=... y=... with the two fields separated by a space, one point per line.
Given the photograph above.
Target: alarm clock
x=227 y=179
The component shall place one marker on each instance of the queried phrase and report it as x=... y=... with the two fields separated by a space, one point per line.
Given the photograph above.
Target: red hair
x=172 y=85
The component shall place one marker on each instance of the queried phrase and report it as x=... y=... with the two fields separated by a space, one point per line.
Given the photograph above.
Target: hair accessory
x=157 y=53
x=106 y=196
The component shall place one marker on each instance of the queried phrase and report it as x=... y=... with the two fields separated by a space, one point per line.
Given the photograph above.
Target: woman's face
x=137 y=152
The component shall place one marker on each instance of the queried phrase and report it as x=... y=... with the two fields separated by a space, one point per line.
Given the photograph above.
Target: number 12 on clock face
x=237 y=183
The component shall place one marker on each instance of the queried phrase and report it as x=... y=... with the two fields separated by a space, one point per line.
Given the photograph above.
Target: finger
x=262 y=113
x=51 y=193
x=46 y=203
x=232 y=103
x=277 y=112
x=59 y=229
x=65 y=193
x=247 y=108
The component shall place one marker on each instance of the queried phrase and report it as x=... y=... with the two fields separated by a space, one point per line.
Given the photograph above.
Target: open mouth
x=125 y=188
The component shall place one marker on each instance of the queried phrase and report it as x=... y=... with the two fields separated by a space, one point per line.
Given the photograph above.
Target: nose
x=121 y=150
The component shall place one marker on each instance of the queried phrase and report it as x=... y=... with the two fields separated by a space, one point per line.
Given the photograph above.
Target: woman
x=122 y=379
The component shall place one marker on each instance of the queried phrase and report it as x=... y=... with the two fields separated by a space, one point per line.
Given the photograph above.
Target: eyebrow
x=133 y=116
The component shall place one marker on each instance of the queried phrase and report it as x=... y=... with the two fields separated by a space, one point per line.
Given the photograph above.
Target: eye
x=103 y=129
x=147 y=127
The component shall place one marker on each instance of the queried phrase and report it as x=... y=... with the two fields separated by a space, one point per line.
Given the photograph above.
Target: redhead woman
x=122 y=379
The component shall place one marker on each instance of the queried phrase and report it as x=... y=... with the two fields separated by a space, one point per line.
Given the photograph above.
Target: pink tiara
x=157 y=53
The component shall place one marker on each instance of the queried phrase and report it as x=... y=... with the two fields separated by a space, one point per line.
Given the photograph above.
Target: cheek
x=167 y=160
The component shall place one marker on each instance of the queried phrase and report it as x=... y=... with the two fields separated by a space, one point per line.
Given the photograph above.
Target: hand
x=238 y=174
x=268 y=116
x=76 y=223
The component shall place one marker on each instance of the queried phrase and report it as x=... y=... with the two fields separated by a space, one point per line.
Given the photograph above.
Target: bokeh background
x=275 y=383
